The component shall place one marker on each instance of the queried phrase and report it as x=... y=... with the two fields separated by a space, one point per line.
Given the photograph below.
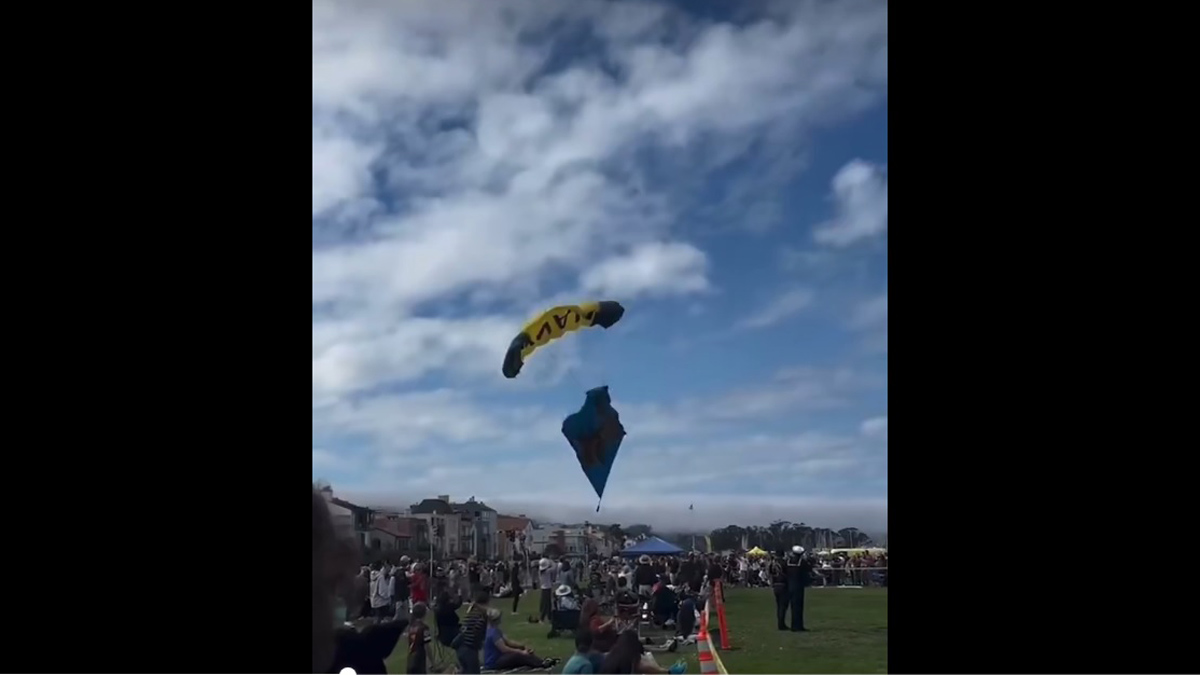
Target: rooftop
x=428 y=506
x=512 y=522
x=347 y=505
x=471 y=505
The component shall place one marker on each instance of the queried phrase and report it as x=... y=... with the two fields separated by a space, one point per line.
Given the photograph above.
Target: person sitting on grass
x=664 y=603
x=624 y=596
x=602 y=628
x=628 y=656
x=500 y=653
x=584 y=660
x=685 y=623
x=566 y=598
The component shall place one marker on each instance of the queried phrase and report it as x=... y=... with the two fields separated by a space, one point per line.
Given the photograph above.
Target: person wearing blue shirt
x=581 y=661
x=500 y=653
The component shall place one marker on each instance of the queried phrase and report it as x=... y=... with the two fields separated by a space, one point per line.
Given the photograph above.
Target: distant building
x=393 y=532
x=518 y=526
x=349 y=518
x=441 y=521
x=459 y=529
x=571 y=541
x=479 y=527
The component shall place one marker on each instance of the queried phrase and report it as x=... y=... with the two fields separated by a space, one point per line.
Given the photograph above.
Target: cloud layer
x=474 y=162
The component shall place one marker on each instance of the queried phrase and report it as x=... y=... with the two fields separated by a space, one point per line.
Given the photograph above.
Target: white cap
x=797 y=549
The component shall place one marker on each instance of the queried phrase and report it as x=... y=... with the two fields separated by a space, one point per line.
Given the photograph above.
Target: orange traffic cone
x=725 y=645
x=707 y=666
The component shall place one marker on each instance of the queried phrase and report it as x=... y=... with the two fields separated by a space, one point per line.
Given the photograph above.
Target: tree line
x=779 y=534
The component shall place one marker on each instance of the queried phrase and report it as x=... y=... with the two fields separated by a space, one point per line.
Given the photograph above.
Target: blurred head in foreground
x=333 y=568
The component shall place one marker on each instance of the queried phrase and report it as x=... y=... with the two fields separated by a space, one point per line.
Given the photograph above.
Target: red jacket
x=420 y=587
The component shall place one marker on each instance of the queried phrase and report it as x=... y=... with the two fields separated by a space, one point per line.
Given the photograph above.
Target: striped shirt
x=474 y=627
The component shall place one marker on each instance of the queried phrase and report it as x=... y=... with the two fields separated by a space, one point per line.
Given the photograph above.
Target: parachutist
x=595 y=434
x=589 y=451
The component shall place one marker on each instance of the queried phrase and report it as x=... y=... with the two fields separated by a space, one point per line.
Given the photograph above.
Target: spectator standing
x=546 y=587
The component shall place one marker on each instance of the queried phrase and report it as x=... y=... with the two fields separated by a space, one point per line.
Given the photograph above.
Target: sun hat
x=562 y=590
x=544 y=564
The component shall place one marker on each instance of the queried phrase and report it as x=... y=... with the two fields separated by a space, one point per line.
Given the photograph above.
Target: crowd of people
x=387 y=596
x=421 y=600
x=830 y=569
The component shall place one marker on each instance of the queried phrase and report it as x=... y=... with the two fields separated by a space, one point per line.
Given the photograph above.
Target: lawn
x=847 y=634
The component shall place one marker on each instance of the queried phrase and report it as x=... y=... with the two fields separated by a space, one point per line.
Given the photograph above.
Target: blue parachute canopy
x=595 y=433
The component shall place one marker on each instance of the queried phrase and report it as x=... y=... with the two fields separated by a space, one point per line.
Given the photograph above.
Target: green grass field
x=847 y=634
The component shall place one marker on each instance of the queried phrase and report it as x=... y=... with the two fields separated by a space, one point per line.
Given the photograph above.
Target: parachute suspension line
x=603 y=371
x=574 y=371
x=589 y=366
x=601 y=363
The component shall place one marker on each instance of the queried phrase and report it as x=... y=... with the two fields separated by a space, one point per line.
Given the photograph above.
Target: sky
x=720 y=170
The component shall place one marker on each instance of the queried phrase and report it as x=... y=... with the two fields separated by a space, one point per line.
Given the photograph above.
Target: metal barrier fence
x=851 y=576
x=832 y=577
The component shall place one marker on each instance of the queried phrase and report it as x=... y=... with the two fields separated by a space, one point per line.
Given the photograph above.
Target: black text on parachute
x=555 y=323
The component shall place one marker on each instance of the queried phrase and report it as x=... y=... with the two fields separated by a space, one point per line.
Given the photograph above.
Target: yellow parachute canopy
x=555 y=323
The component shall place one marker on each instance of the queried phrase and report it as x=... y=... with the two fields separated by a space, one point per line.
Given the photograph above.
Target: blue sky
x=725 y=178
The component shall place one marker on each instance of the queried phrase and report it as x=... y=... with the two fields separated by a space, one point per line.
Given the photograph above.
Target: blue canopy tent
x=652 y=546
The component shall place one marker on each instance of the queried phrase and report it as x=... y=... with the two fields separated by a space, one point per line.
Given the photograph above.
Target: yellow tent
x=756 y=552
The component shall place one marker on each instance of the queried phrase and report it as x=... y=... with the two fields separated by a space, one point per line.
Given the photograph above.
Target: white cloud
x=340 y=168
x=461 y=179
x=782 y=307
x=860 y=194
x=407 y=423
x=791 y=392
x=876 y=427
x=521 y=187
x=349 y=357
x=652 y=268
x=412 y=422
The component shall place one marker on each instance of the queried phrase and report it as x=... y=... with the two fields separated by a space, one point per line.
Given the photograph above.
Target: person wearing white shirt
x=546 y=569
x=381 y=594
